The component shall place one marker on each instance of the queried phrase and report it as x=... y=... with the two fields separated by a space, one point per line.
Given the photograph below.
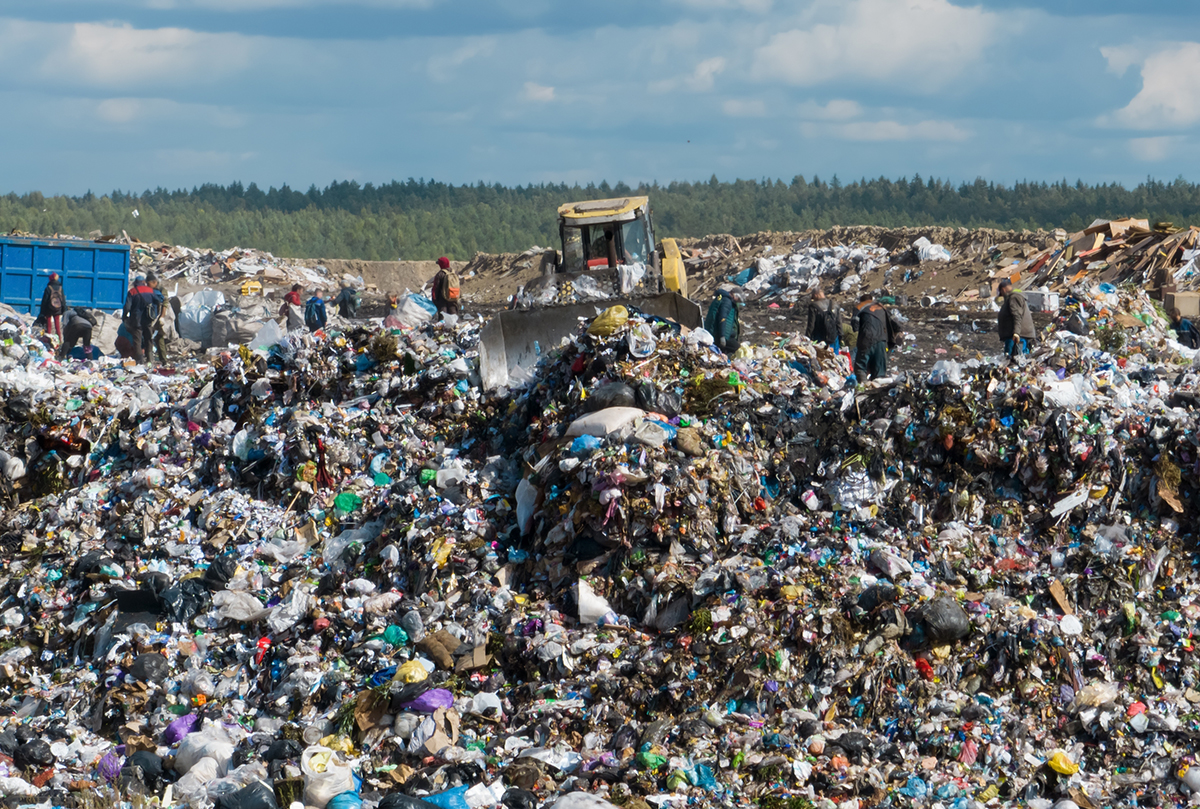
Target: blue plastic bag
x=347 y=800
x=585 y=445
x=450 y=799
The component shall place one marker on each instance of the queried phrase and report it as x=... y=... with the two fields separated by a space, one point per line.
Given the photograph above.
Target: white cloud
x=882 y=131
x=1154 y=149
x=744 y=107
x=260 y=5
x=120 y=56
x=700 y=80
x=443 y=65
x=126 y=111
x=538 y=92
x=1170 y=94
x=838 y=109
x=922 y=42
x=757 y=6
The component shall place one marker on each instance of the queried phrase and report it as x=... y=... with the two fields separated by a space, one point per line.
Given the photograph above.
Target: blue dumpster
x=94 y=274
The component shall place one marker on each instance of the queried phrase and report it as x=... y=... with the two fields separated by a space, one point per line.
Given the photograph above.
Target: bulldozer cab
x=606 y=233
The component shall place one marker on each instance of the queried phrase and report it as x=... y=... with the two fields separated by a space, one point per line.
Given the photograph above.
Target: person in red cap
x=446 y=288
x=53 y=306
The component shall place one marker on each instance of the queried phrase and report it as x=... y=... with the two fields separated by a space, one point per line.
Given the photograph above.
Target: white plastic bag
x=641 y=341
x=234 y=605
x=211 y=741
x=270 y=334
x=604 y=422
x=526 y=504
x=326 y=774
x=195 y=315
x=592 y=607
x=415 y=309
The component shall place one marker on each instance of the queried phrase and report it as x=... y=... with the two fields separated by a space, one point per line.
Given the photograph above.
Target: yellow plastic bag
x=1063 y=765
x=613 y=318
x=411 y=672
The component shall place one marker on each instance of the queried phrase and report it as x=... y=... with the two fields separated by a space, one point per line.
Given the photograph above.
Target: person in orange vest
x=878 y=333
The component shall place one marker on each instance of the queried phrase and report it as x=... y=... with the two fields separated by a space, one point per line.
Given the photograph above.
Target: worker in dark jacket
x=1186 y=333
x=138 y=317
x=54 y=303
x=77 y=326
x=347 y=302
x=824 y=323
x=877 y=334
x=1015 y=321
x=722 y=321
x=445 y=293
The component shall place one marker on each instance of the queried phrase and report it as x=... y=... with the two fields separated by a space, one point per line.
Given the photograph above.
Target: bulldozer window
x=633 y=235
x=573 y=258
x=598 y=242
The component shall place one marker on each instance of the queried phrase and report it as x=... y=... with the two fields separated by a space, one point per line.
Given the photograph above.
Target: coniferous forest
x=419 y=219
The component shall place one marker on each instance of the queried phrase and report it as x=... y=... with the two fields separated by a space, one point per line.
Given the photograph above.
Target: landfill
x=327 y=569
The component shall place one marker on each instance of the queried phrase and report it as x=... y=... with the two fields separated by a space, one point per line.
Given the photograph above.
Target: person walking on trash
x=54 y=303
x=824 y=321
x=446 y=290
x=347 y=302
x=723 y=322
x=1015 y=321
x=315 y=316
x=878 y=334
x=292 y=310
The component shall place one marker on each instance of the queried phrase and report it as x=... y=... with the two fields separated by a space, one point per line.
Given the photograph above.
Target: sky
x=135 y=94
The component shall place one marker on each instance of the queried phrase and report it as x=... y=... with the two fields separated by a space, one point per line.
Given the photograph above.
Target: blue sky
x=134 y=94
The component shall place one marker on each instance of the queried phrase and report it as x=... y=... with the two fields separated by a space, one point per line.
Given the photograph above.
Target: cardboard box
x=1042 y=301
x=1188 y=303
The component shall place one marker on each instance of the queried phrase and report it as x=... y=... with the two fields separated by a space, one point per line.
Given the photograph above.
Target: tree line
x=419 y=219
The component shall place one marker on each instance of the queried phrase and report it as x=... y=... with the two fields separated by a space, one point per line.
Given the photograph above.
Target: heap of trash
x=333 y=572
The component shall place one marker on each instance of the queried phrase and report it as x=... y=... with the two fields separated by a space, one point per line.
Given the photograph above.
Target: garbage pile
x=787 y=277
x=236 y=264
x=1118 y=252
x=334 y=573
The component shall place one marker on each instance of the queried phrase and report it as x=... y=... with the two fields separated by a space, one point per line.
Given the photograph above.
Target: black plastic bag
x=945 y=620
x=283 y=749
x=398 y=800
x=220 y=572
x=145 y=767
x=33 y=755
x=515 y=798
x=184 y=601
x=649 y=397
x=255 y=796
x=611 y=394
x=149 y=668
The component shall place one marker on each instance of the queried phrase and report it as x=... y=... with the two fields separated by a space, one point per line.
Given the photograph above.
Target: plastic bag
x=945 y=371
x=652 y=433
x=593 y=608
x=415 y=310
x=526 y=505
x=641 y=341
x=604 y=422
x=211 y=741
x=945 y=620
x=585 y=445
x=269 y=335
x=238 y=605
x=411 y=672
x=430 y=701
x=630 y=275
x=397 y=800
x=609 y=321
x=149 y=668
x=286 y=615
x=581 y=800
x=347 y=800
x=451 y=799
x=333 y=552
x=652 y=400
x=253 y=796
x=195 y=316
x=178 y=729
x=611 y=394
x=326 y=775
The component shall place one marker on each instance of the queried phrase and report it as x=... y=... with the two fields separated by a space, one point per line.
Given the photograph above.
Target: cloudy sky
x=130 y=94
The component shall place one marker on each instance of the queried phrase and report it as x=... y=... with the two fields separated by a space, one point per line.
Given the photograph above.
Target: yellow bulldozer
x=608 y=257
